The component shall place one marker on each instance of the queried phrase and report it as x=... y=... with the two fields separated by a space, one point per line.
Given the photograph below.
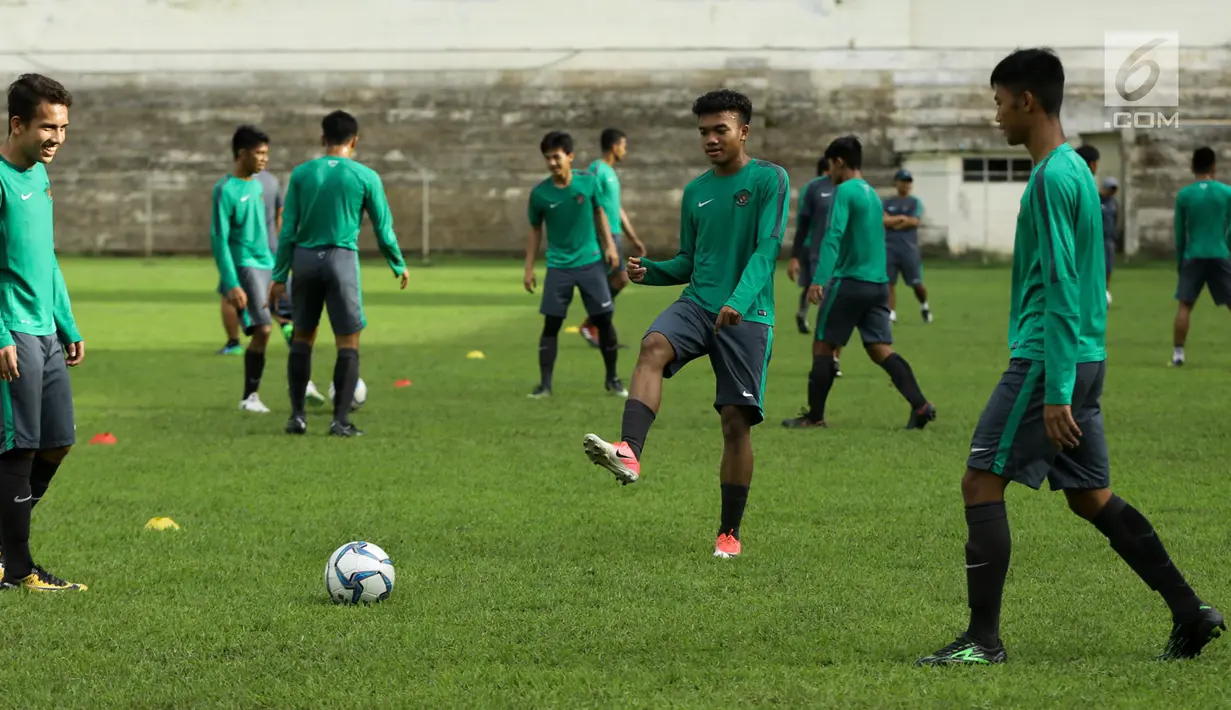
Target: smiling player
x=731 y=222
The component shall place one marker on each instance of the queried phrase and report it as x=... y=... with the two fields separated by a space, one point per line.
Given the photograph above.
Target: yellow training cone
x=475 y=355
x=162 y=524
x=572 y=330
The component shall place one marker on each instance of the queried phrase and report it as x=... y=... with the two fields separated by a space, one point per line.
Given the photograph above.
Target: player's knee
x=17 y=454
x=982 y=487
x=878 y=352
x=55 y=455
x=350 y=341
x=1087 y=503
x=736 y=424
x=304 y=336
x=655 y=351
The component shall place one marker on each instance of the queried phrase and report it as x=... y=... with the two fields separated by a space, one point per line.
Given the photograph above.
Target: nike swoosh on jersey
x=27 y=196
x=702 y=204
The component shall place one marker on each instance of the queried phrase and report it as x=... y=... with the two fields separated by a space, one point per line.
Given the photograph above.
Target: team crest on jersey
x=580 y=199
x=741 y=198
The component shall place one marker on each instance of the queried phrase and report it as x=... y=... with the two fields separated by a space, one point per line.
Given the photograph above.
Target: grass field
x=529 y=578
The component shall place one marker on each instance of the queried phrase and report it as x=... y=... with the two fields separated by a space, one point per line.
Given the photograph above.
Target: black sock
x=41 y=473
x=547 y=359
x=803 y=303
x=904 y=379
x=820 y=381
x=638 y=418
x=1134 y=539
x=734 y=498
x=988 y=544
x=609 y=343
x=615 y=291
x=254 y=367
x=345 y=377
x=15 y=497
x=298 y=374
x=232 y=342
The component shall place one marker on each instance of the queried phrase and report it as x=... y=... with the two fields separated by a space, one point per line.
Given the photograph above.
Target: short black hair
x=1088 y=153
x=1203 y=159
x=822 y=165
x=339 y=127
x=848 y=149
x=723 y=100
x=554 y=140
x=1038 y=71
x=30 y=90
x=609 y=138
x=247 y=137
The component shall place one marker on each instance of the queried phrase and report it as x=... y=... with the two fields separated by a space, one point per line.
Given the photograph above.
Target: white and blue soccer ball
x=359 y=573
x=361 y=394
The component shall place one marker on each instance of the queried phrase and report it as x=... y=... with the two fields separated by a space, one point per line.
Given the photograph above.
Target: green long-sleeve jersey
x=1058 y=298
x=33 y=297
x=325 y=202
x=238 y=235
x=1203 y=221
x=854 y=243
x=731 y=230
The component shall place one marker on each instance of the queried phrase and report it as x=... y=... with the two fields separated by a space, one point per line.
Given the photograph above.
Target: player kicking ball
x=39 y=340
x=1044 y=420
x=731 y=224
x=326 y=199
x=569 y=205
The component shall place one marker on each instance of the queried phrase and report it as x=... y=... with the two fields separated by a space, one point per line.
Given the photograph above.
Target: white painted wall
x=387 y=35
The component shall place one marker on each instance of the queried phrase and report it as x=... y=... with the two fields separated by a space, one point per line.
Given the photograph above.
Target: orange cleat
x=727 y=546
x=617 y=458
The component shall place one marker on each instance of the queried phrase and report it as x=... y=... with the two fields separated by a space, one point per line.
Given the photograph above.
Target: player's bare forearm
x=626 y=226
x=604 y=228
x=533 y=241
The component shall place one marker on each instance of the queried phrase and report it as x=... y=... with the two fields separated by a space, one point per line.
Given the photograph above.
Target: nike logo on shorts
x=608 y=303
x=745 y=393
x=826 y=194
x=18 y=499
x=979 y=450
x=702 y=204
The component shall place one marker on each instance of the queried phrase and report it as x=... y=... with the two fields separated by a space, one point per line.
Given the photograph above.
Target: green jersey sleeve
x=377 y=206
x=220 y=237
x=534 y=211
x=773 y=202
x=62 y=308
x=678 y=269
x=839 y=215
x=290 y=229
x=1055 y=209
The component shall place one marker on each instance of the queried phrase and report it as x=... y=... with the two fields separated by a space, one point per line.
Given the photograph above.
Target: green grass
x=529 y=578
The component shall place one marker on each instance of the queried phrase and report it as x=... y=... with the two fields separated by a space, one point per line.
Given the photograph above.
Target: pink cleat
x=617 y=458
x=727 y=546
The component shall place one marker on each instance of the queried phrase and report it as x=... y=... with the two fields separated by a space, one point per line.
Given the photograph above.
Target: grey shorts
x=807 y=266
x=590 y=280
x=847 y=304
x=1010 y=439
x=255 y=283
x=738 y=355
x=621 y=266
x=1109 y=255
x=903 y=258
x=38 y=406
x=1196 y=274
x=327 y=278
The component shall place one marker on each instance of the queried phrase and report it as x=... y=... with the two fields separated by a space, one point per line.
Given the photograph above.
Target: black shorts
x=327 y=278
x=903 y=258
x=847 y=304
x=37 y=410
x=590 y=280
x=1010 y=439
x=1196 y=274
x=739 y=355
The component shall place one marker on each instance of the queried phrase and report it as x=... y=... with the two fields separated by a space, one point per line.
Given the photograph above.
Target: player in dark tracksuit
x=815 y=202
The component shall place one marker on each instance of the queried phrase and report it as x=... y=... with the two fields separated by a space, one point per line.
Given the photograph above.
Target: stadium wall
x=453 y=97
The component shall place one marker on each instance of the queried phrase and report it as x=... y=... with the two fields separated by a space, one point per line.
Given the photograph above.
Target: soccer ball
x=358 y=573
x=361 y=394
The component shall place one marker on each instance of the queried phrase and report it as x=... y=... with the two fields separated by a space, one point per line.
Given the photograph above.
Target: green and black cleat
x=297 y=424
x=803 y=421
x=337 y=428
x=965 y=651
x=1189 y=639
x=920 y=418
